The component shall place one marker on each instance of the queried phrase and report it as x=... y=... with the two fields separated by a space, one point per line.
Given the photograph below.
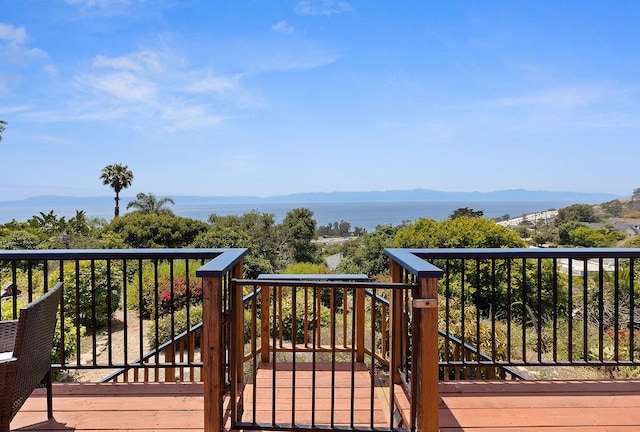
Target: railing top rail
x=322 y=283
x=413 y=263
x=221 y=264
x=577 y=253
x=316 y=277
x=81 y=254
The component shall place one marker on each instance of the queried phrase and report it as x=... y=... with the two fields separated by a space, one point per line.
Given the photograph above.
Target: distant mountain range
x=414 y=195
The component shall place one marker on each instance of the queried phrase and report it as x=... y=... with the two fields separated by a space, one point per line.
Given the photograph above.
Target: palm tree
x=2 y=124
x=119 y=177
x=149 y=203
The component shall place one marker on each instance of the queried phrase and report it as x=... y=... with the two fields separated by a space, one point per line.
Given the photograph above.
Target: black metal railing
x=131 y=315
x=530 y=308
x=321 y=343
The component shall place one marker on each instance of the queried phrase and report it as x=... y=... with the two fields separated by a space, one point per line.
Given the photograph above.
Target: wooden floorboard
x=550 y=406
x=553 y=406
x=115 y=407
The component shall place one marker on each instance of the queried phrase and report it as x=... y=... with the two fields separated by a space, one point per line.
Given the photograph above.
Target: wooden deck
x=551 y=406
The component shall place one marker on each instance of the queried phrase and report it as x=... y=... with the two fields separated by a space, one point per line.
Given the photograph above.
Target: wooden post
x=264 y=323
x=359 y=311
x=169 y=357
x=425 y=351
x=396 y=319
x=237 y=333
x=212 y=353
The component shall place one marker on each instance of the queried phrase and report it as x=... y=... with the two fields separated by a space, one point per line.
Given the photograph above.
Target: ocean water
x=364 y=215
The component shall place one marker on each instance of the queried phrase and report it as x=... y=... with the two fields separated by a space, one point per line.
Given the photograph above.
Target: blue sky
x=266 y=97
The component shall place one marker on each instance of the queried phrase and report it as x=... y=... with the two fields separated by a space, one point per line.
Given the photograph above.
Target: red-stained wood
x=425 y=350
x=472 y=406
x=540 y=405
x=212 y=353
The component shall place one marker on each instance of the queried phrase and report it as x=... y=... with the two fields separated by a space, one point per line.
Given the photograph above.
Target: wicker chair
x=25 y=354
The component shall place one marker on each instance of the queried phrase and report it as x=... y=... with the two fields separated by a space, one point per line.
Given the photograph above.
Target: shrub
x=98 y=289
x=180 y=324
x=181 y=295
x=287 y=317
x=70 y=339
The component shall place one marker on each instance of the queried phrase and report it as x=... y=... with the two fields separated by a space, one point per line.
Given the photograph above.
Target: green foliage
x=338 y=229
x=576 y=234
x=253 y=230
x=149 y=203
x=323 y=315
x=309 y=268
x=576 y=213
x=156 y=230
x=119 y=177
x=71 y=333
x=466 y=212
x=298 y=229
x=365 y=255
x=613 y=208
x=460 y=232
x=306 y=268
x=185 y=290
x=19 y=240
x=97 y=287
x=180 y=324
x=633 y=242
x=488 y=333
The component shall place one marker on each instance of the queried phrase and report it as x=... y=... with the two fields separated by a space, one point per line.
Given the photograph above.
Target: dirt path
x=117 y=346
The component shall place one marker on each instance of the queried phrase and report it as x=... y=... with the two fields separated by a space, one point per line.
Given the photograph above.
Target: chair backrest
x=36 y=326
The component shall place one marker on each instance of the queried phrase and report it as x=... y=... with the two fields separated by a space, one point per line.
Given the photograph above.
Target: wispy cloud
x=100 y=3
x=322 y=7
x=213 y=84
x=136 y=62
x=564 y=97
x=14 y=47
x=283 y=27
x=148 y=89
x=570 y=107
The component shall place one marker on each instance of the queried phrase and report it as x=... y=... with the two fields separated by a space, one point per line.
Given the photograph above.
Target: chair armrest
x=8 y=331
x=6 y=357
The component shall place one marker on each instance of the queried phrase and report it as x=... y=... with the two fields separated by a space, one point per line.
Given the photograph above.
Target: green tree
x=365 y=255
x=48 y=223
x=298 y=229
x=635 y=196
x=2 y=125
x=149 y=203
x=253 y=230
x=466 y=212
x=577 y=213
x=139 y=230
x=119 y=177
x=461 y=232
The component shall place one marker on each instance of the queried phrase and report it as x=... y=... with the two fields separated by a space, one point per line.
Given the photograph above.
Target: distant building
x=631 y=227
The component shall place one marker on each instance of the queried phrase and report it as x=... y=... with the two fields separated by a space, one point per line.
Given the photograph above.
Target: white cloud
x=283 y=27
x=123 y=86
x=136 y=62
x=50 y=70
x=322 y=7
x=213 y=84
x=15 y=35
x=150 y=90
x=560 y=98
x=13 y=45
x=100 y=3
